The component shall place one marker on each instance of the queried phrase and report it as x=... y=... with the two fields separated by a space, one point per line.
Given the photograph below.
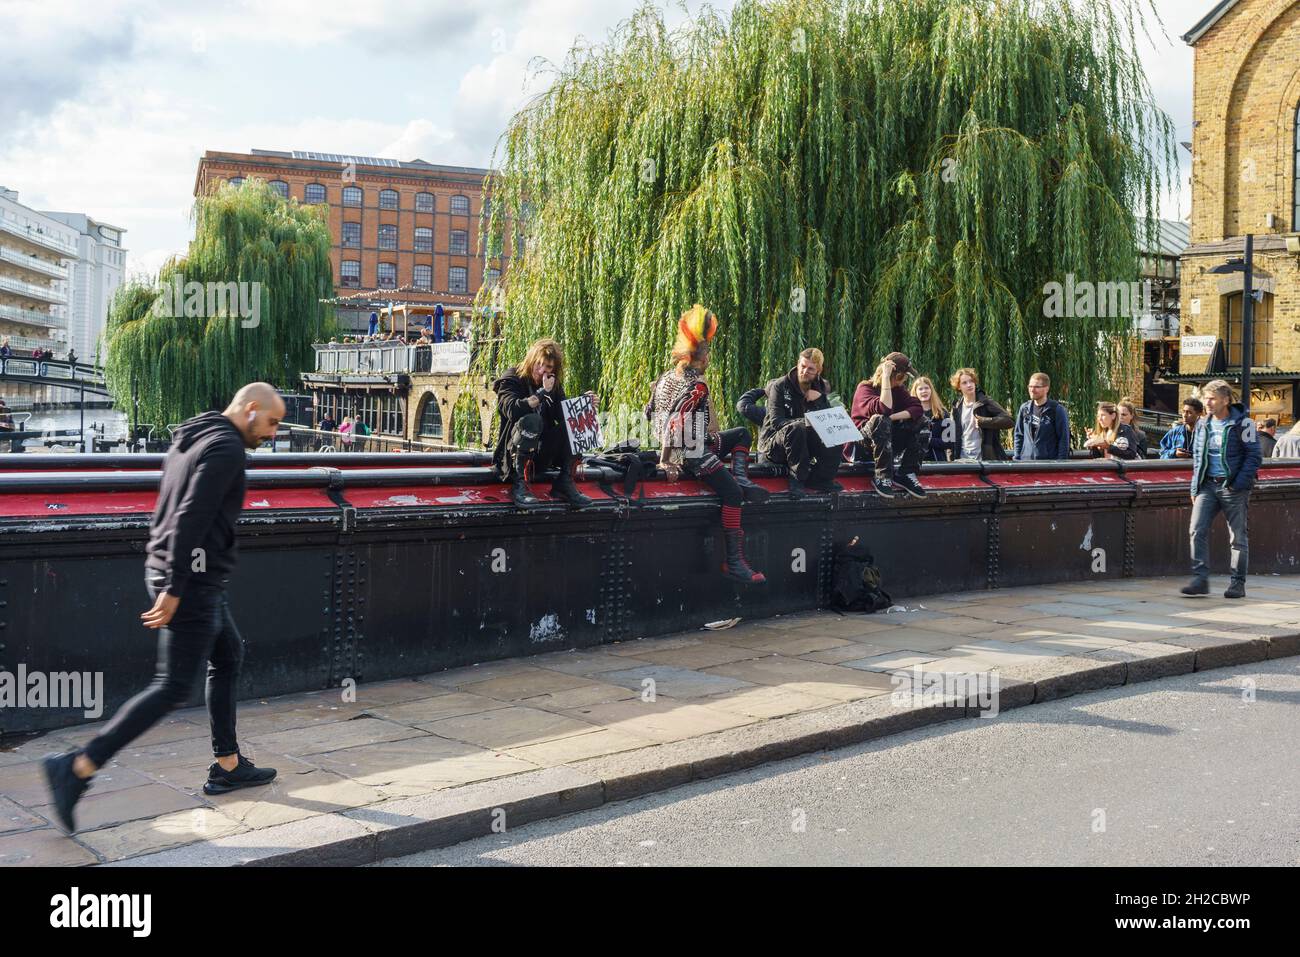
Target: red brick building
x=404 y=232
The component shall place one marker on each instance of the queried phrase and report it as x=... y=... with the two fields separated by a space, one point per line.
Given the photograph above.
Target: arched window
x=423 y=239
x=1295 y=213
x=388 y=199
x=237 y=181
x=423 y=277
x=314 y=193
x=387 y=236
x=350 y=273
x=458 y=279
x=281 y=187
x=431 y=418
x=460 y=205
x=351 y=195
x=459 y=242
x=1261 y=328
x=387 y=273
x=424 y=202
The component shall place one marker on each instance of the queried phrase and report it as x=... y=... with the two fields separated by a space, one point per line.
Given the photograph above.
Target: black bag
x=855 y=583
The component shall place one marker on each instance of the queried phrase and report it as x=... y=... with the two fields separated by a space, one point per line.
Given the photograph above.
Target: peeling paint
x=548 y=629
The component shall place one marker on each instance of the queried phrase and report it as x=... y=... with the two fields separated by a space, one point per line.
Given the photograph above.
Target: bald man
x=190 y=557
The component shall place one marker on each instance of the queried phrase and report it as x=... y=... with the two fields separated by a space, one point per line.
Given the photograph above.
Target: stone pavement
x=425 y=762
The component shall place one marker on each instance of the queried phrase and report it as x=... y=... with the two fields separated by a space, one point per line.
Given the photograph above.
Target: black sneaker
x=910 y=484
x=1197 y=586
x=885 y=487
x=829 y=487
x=65 y=787
x=245 y=775
x=1236 y=590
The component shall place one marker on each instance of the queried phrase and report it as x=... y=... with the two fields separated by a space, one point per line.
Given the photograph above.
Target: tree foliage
x=859 y=175
x=180 y=363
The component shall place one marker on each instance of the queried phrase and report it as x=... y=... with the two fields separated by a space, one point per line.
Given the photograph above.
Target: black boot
x=797 y=489
x=520 y=493
x=740 y=472
x=565 y=488
x=736 y=567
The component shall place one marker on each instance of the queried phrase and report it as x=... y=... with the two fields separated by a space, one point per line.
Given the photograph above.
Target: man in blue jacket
x=1177 y=443
x=1042 y=429
x=1225 y=460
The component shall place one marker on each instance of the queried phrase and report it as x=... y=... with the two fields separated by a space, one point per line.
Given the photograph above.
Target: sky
x=106 y=108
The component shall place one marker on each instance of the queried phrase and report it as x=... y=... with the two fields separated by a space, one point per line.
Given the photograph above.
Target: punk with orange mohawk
x=691 y=439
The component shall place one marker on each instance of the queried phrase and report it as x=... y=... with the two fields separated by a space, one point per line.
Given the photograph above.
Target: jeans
x=1210 y=500
x=202 y=631
x=709 y=468
x=547 y=444
x=884 y=438
x=797 y=446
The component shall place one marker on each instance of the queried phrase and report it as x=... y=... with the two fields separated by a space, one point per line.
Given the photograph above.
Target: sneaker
x=65 y=787
x=1236 y=590
x=885 y=487
x=910 y=484
x=245 y=775
x=828 y=487
x=1197 y=586
x=796 y=488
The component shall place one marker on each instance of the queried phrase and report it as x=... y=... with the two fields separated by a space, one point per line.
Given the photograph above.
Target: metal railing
x=36 y=235
x=50 y=369
x=28 y=261
x=304 y=439
x=32 y=291
x=30 y=316
x=392 y=358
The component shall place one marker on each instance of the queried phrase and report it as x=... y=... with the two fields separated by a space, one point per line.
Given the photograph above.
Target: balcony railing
x=32 y=291
x=27 y=343
x=30 y=316
x=34 y=234
x=33 y=263
x=379 y=359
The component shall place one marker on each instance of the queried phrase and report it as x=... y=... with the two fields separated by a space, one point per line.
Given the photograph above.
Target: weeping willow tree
x=859 y=175
x=243 y=305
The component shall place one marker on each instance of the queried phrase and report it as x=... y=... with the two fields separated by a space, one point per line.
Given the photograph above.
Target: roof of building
x=1173 y=237
x=374 y=161
x=1208 y=21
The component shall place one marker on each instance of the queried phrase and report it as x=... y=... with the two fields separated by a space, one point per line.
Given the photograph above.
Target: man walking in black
x=191 y=555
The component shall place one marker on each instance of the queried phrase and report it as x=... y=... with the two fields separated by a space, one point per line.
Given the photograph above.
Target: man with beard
x=788 y=438
x=190 y=558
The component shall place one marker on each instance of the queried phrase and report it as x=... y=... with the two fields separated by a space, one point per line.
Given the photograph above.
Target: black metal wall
x=369 y=573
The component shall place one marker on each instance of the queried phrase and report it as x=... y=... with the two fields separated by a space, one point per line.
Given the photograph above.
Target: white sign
x=450 y=357
x=1197 y=345
x=833 y=426
x=1196 y=307
x=581 y=422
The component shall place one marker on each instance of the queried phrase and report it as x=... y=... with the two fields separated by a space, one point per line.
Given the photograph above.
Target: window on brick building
x=388 y=199
x=1261 y=330
x=314 y=193
x=237 y=181
x=424 y=202
x=431 y=418
x=387 y=275
x=459 y=242
x=350 y=273
x=423 y=277
x=351 y=195
x=458 y=279
x=1295 y=213
x=460 y=205
x=492 y=277
x=281 y=187
x=423 y=239
x=388 y=237
x=352 y=235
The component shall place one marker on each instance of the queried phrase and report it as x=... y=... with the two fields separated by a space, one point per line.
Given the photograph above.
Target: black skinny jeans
x=710 y=470
x=201 y=632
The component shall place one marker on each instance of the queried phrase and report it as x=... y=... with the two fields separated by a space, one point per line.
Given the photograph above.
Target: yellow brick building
x=1245 y=179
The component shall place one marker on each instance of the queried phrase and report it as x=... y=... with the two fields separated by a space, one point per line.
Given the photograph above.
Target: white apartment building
x=35 y=278
x=96 y=274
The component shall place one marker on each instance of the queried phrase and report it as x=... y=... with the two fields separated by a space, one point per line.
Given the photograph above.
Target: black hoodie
x=199 y=500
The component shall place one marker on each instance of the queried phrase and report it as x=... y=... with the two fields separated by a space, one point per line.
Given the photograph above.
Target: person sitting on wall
x=747 y=405
x=892 y=421
x=690 y=439
x=1177 y=443
x=1111 y=439
x=788 y=438
x=532 y=437
x=938 y=419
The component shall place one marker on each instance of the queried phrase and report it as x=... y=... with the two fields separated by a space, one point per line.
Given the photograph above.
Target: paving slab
x=44 y=848
x=152 y=834
x=673 y=682
x=509 y=727
x=417 y=764
x=663 y=719
x=318 y=739
x=129 y=804
x=809 y=677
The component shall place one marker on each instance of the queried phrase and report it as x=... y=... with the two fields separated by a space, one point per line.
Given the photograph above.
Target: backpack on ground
x=855 y=582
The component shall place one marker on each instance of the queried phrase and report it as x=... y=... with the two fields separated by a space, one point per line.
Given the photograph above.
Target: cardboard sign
x=582 y=425
x=833 y=426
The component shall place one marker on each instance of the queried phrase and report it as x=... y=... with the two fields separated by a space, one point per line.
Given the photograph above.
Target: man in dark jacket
x=532 y=437
x=1267 y=437
x=788 y=439
x=1225 y=460
x=892 y=422
x=1042 y=425
x=1177 y=443
x=190 y=556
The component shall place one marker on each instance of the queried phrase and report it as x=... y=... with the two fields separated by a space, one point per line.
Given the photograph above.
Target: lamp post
x=1245 y=265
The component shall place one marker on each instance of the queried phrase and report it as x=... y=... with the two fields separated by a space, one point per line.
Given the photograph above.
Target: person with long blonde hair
x=531 y=437
x=936 y=417
x=692 y=441
x=1111 y=438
